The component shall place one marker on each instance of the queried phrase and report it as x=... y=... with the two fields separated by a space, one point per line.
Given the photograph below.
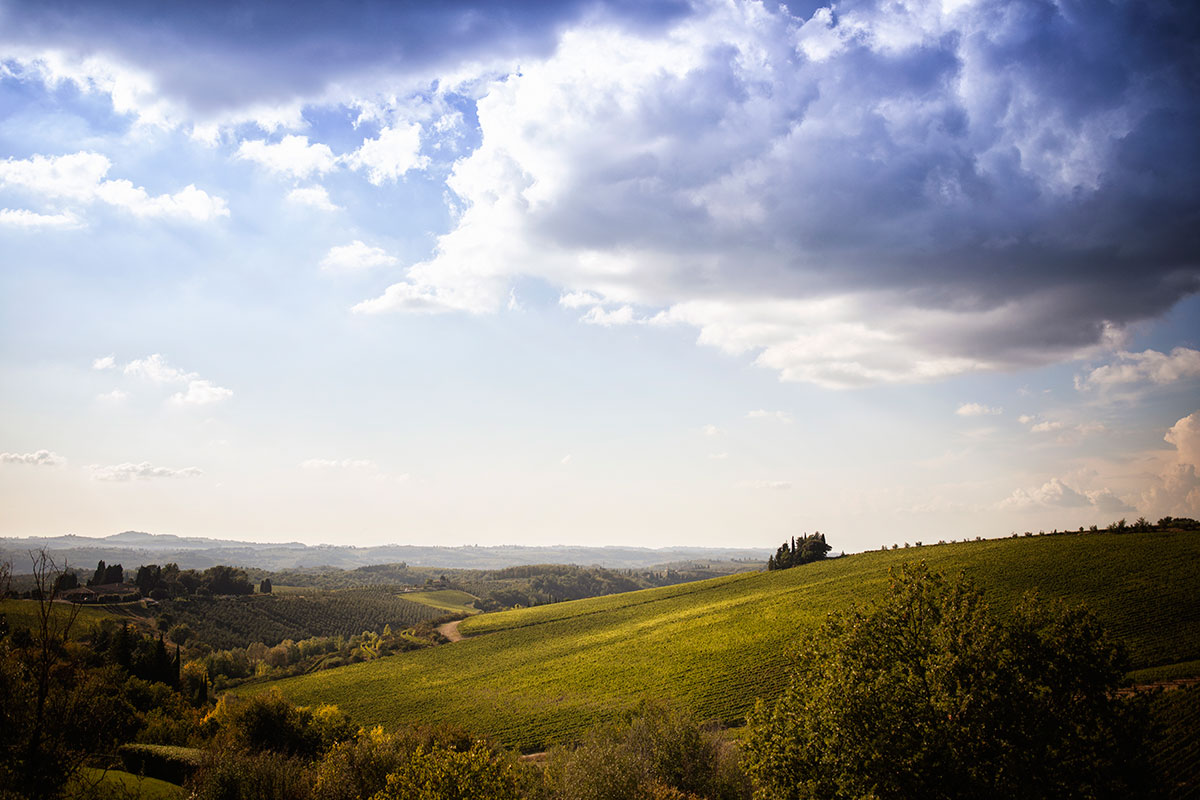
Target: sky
x=643 y=272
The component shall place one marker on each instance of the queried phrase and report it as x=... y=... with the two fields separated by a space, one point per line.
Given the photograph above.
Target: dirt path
x=450 y=631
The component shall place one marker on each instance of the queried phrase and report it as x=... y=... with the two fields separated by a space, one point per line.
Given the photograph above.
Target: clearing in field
x=449 y=600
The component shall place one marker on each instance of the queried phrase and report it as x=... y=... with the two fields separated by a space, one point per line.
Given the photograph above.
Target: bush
x=233 y=774
x=269 y=722
x=657 y=752
x=358 y=768
x=445 y=773
x=932 y=694
x=172 y=764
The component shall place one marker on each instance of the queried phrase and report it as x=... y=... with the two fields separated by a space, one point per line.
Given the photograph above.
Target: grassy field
x=24 y=614
x=547 y=674
x=113 y=784
x=450 y=600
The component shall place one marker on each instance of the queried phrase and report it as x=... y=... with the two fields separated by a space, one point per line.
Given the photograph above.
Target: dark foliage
x=804 y=550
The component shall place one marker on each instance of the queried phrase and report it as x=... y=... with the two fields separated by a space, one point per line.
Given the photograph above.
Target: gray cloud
x=221 y=55
x=920 y=193
x=872 y=192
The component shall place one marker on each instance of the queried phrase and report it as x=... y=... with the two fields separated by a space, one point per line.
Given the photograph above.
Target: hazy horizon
x=652 y=274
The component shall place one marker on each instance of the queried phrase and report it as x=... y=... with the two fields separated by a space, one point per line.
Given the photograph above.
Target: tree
x=933 y=694
x=227 y=580
x=795 y=552
x=56 y=712
x=264 y=586
x=180 y=634
x=65 y=582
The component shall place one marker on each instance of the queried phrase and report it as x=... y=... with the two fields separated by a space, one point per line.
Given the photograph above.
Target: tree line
x=795 y=552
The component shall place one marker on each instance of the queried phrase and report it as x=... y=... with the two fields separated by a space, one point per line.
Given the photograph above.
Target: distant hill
x=133 y=548
x=534 y=676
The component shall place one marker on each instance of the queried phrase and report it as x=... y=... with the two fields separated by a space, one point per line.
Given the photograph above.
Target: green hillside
x=534 y=676
x=24 y=614
x=450 y=600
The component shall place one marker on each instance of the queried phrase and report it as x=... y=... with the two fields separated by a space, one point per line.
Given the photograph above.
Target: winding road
x=450 y=631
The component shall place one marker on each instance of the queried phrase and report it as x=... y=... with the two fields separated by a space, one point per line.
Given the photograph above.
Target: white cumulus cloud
x=292 y=156
x=156 y=369
x=356 y=256
x=81 y=177
x=143 y=471
x=201 y=393
x=388 y=157
x=312 y=196
x=39 y=458
x=31 y=220
x=1054 y=493
x=1148 y=366
x=977 y=410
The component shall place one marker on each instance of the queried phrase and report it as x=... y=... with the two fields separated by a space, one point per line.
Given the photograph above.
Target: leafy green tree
x=933 y=694
x=227 y=580
x=180 y=634
x=444 y=773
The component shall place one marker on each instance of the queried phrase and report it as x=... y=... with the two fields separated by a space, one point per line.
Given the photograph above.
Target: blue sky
x=706 y=273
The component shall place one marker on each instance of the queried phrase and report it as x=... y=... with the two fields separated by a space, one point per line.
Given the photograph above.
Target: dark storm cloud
x=214 y=56
x=978 y=184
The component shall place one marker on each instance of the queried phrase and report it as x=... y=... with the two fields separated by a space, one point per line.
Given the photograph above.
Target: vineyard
x=1177 y=747
x=450 y=601
x=228 y=622
x=24 y=614
x=548 y=673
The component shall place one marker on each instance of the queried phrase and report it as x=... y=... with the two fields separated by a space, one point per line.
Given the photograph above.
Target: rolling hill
x=531 y=677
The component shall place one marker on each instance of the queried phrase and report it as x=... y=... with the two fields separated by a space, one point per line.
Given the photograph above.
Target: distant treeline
x=153 y=581
x=524 y=586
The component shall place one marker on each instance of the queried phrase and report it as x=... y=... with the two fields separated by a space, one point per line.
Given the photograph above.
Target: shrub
x=931 y=694
x=657 y=752
x=445 y=773
x=173 y=764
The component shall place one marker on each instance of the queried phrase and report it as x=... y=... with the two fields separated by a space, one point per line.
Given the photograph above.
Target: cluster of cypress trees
x=799 y=551
x=142 y=656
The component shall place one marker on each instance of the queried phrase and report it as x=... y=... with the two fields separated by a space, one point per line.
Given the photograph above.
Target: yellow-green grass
x=24 y=614
x=530 y=677
x=99 y=784
x=451 y=600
